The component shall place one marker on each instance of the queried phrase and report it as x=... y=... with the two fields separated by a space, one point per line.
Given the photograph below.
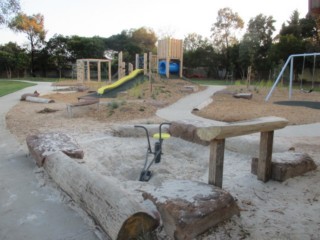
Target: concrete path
x=30 y=208
x=182 y=110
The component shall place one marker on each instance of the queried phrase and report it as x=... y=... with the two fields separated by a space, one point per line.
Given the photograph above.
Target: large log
x=43 y=144
x=24 y=96
x=102 y=198
x=39 y=100
x=243 y=95
x=264 y=124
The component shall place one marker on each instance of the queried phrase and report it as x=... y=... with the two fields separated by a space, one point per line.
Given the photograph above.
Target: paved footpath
x=182 y=110
x=29 y=208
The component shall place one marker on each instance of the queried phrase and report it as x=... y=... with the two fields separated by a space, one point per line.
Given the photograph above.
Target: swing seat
x=163 y=136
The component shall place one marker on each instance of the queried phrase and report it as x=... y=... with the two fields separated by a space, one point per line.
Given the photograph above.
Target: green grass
x=7 y=87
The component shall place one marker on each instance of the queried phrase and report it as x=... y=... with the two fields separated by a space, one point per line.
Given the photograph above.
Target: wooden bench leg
x=265 y=156
x=216 y=162
x=69 y=110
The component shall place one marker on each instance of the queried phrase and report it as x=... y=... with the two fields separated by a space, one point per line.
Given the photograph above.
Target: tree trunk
x=102 y=198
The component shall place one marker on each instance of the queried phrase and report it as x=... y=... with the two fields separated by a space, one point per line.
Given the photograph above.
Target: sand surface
x=272 y=210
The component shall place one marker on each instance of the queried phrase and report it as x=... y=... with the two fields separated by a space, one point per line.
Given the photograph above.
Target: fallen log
x=39 y=100
x=243 y=95
x=102 y=198
x=24 y=96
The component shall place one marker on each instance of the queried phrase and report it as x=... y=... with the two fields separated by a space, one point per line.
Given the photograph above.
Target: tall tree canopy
x=145 y=39
x=7 y=9
x=224 y=35
x=256 y=43
x=224 y=29
x=33 y=27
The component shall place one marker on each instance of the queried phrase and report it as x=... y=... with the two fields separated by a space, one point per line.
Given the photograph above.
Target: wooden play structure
x=171 y=51
x=83 y=69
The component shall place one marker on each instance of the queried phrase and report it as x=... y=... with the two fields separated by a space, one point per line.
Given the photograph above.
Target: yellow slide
x=121 y=81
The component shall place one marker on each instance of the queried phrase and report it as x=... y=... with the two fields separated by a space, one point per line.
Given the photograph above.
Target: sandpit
x=287 y=210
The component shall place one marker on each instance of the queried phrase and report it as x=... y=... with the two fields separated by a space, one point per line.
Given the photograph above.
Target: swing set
x=291 y=61
x=313 y=73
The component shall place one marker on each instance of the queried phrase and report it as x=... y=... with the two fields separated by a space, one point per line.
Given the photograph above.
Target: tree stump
x=287 y=165
x=189 y=208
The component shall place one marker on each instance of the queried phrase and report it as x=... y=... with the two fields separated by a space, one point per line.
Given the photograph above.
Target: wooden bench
x=217 y=135
x=82 y=102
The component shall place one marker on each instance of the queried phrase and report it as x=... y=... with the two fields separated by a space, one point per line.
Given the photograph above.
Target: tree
x=13 y=59
x=57 y=48
x=223 y=32
x=193 y=41
x=145 y=39
x=7 y=9
x=33 y=27
x=256 y=44
x=84 y=47
x=293 y=27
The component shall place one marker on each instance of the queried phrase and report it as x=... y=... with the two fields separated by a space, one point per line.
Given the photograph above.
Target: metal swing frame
x=289 y=60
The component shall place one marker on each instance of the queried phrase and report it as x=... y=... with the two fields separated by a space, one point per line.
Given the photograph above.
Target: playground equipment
x=291 y=61
x=120 y=82
x=83 y=69
x=146 y=174
x=170 y=56
x=173 y=67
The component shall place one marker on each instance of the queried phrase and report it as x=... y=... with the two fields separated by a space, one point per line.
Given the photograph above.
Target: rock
x=187 y=131
x=287 y=165
x=42 y=145
x=189 y=208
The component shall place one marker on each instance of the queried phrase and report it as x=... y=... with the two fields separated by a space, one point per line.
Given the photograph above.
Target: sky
x=178 y=18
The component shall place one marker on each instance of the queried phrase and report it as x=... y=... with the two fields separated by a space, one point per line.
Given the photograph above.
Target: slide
x=120 y=82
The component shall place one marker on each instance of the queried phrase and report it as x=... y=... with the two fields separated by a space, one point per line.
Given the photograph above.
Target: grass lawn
x=7 y=87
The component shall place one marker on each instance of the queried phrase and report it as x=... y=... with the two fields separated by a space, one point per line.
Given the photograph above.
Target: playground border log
x=102 y=198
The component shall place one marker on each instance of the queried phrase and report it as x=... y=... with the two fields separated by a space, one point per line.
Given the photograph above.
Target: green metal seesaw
x=146 y=174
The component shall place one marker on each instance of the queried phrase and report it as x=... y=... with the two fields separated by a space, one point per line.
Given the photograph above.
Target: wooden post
x=120 y=65
x=181 y=60
x=150 y=70
x=109 y=71
x=265 y=156
x=130 y=67
x=99 y=71
x=137 y=61
x=216 y=162
x=145 y=65
x=88 y=71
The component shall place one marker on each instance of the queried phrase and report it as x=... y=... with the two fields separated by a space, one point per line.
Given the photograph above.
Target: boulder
x=287 y=165
x=189 y=208
x=42 y=145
